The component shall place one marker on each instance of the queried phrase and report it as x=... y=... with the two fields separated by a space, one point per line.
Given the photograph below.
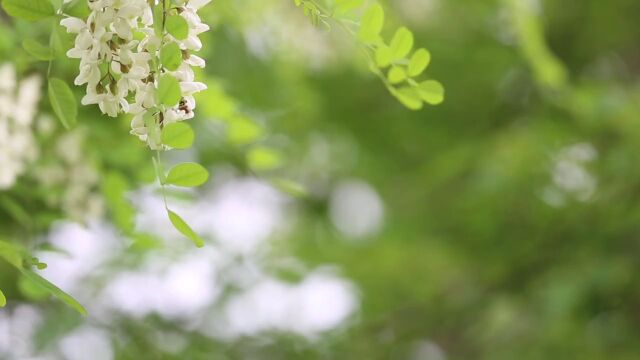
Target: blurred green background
x=511 y=211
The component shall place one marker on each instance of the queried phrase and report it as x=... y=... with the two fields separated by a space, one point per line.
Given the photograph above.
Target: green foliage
x=419 y=62
x=264 y=158
x=168 y=93
x=187 y=175
x=37 y=50
x=63 y=102
x=371 y=24
x=76 y=8
x=171 y=56
x=177 y=26
x=185 y=229
x=3 y=299
x=178 y=135
x=114 y=188
x=30 y=10
x=401 y=79
x=20 y=259
x=314 y=12
x=54 y=290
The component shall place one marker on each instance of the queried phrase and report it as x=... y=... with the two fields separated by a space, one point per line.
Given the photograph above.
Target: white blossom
x=118 y=47
x=18 y=107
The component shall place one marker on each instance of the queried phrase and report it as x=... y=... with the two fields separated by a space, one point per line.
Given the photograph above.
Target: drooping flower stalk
x=120 y=46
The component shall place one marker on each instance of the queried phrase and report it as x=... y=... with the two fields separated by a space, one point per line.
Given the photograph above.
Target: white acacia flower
x=120 y=34
x=18 y=107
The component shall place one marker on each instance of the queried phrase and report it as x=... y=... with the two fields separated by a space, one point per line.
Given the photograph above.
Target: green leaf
x=402 y=43
x=431 y=91
x=3 y=300
x=371 y=24
x=30 y=10
x=171 y=56
x=289 y=187
x=344 y=6
x=63 y=102
x=11 y=254
x=419 y=62
x=54 y=290
x=32 y=290
x=178 y=135
x=187 y=175
x=242 y=131
x=77 y=8
x=397 y=75
x=37 y=50
x=57 y=42
x=158 y=14
x=409 y=97
x=168 y=93
x=263 y=158
x=383 y=56
x=185 y=229
x=177 y=26
x=114 y=188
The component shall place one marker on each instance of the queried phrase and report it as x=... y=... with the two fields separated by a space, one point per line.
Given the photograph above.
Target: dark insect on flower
x=184 y=106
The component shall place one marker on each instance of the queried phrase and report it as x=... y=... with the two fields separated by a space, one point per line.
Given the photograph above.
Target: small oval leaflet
x=397 y=75
x=37 y=50
x=402 y=43
x=187 y=175
x=409 y=97
x=171 y=56
x=30 y=10
x=178 y=135
x=177 y=26
x=63 y=102
x=184 y=228
x=372 y=23
x=54 y=290
x=431 y=91
x=419 y=62
x=168 y=93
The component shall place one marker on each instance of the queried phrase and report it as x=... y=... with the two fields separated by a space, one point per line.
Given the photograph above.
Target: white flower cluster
x=570 y=175
x=70 y=178
x=18 y=107
x=119 y=49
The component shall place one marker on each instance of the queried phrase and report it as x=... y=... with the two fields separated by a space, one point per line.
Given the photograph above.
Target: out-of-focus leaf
x=30 y=10
x=185 y=229
x=63 y=102
x=177 y=26
x=54 y=290
x=37 y=50
x=178 y=135
x=3 y=299
x=187 y=175
x=168 y=93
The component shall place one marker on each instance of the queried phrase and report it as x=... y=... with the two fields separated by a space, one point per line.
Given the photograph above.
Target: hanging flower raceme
x=18 y=107
x=135 y=58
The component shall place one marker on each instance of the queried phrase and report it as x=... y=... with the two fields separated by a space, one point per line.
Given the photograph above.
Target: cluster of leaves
x=64 y=105
x=393 y=61
x=402 y=70
x=61 y=97
x=177 y=135
x=314 y=12
x=24 y=263
x=248 y=137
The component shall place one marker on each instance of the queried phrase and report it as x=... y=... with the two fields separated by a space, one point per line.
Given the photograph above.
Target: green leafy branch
x=394 y=62
x=61 y=97
x=177 y=135
x=24 y=263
